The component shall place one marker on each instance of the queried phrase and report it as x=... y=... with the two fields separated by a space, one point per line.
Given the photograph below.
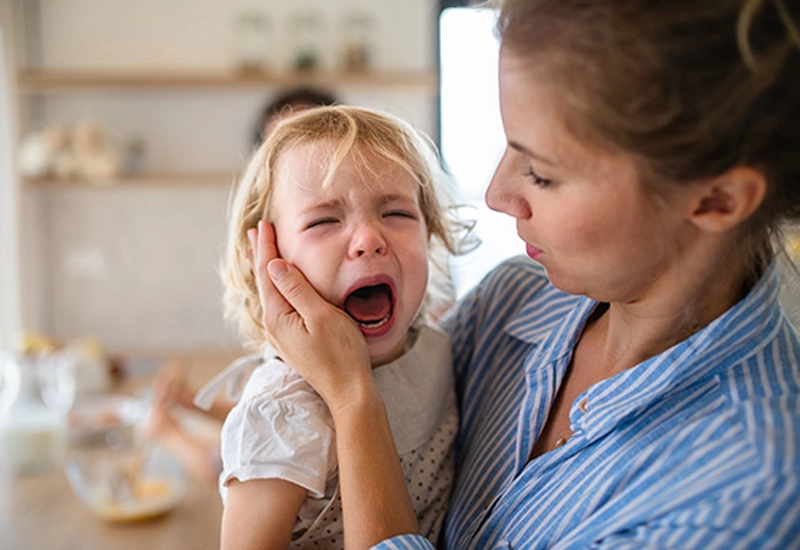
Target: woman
x=637 y=384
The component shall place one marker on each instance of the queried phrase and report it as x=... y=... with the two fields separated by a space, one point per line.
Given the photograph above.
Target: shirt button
x=584 y=404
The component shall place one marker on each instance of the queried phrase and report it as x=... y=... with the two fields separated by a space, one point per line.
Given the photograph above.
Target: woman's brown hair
x=688 y=88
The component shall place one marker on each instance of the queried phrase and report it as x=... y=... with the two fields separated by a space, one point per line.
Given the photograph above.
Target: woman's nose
x=503 y=194
x=367 y=240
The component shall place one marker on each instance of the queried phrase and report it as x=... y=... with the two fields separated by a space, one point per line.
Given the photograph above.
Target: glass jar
x=253 y=35
x=307 y=33
x=36 y=394
x=357 y=49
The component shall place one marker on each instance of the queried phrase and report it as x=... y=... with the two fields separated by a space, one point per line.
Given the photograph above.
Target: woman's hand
x=319 y=340
x=326 y=347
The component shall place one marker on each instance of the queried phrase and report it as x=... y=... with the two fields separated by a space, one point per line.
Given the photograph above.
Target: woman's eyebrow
x=524 y=150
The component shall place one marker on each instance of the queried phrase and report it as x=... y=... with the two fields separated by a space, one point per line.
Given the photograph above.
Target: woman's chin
x=564 y=284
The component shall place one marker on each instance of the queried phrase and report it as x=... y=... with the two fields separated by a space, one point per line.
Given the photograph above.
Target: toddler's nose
x=367 y=240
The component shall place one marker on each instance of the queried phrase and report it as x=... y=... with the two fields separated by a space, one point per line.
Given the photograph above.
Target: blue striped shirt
x=697 y=447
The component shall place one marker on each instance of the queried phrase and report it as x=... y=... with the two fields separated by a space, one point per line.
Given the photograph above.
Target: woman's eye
x=321 y=221
x=536 y=179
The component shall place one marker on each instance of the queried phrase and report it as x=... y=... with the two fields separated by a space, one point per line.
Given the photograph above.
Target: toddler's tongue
x=369 y=304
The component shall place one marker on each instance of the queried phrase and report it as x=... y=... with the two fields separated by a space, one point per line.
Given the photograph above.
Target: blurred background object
x=112 y=466
x=358 y=41
x=146 y=110
x=308 y=33
x=37 y=390
x=287 y=101
x=85 y=151
x=254 y=34
x=172 y=403
x=130 y=123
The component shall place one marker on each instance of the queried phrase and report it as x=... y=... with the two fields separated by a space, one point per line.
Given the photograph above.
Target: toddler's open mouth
x=372 y=307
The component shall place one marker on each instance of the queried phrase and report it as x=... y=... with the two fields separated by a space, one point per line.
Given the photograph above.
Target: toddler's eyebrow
x=395 y=197
x=331 y=203
x=380 y=200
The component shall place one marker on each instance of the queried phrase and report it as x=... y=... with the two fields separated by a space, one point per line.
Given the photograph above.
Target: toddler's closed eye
x=321 y=221
x=400 y=213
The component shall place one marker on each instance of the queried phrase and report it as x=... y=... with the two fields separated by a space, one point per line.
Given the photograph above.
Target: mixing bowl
x=112 y=470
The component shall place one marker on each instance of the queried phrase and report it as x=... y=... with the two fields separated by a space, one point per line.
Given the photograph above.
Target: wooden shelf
x=140 y=180
x=63 y=81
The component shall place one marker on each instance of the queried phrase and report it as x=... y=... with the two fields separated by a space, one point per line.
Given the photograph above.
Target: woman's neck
x=621 y=335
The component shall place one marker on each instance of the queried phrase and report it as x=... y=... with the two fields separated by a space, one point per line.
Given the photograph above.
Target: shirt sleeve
x=405 y=542
x=281 y=429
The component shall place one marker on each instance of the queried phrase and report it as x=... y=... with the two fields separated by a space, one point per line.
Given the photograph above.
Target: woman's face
x=582 y=212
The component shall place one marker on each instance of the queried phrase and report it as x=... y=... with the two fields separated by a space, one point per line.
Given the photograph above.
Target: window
x=472 y=138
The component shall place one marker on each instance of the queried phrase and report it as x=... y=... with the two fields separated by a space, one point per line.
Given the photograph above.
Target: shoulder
x=276 y=398
x=276 y=386
x=519 y=272
x=250 y=375
x=280 y=428
x=503 y=291
x=270 y=376
x=763 y=392
x=516 y=292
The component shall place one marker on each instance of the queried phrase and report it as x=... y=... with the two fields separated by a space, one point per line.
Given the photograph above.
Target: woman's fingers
x=329 y=350
x=296 y=290
x=320 y=341
x=263 y=250
x=286 y=295
x=268 y=246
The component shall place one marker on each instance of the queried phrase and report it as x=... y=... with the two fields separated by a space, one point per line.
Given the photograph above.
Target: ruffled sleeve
x=280 y=429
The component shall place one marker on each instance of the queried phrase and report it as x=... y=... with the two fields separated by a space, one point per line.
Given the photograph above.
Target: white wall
x=10 y=304
x=203 y=34
x=136 y=267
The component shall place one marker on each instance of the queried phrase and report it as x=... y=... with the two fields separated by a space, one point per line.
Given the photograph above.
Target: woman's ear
x=724 y=202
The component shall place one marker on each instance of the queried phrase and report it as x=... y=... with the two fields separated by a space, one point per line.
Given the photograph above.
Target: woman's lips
x=532 y=251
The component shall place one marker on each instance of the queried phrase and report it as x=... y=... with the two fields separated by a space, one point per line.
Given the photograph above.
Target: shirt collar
x=549 y=310
x=552 y=321
x=734 y=336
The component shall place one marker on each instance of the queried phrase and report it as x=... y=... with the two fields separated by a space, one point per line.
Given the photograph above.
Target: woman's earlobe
x=726 y=201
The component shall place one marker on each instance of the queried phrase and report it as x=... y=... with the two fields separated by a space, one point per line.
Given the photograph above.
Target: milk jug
x=36 y=393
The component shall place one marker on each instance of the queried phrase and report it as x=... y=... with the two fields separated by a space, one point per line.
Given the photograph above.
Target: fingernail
x=277 y=269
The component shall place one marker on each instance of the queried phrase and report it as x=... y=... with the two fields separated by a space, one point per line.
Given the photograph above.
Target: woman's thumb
x=277 y=269
x=294 y=288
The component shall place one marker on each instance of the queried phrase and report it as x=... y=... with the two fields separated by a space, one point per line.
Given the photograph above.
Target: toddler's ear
x=724 y=202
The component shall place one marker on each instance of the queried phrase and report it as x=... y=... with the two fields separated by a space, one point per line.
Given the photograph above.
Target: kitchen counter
x=41 y=511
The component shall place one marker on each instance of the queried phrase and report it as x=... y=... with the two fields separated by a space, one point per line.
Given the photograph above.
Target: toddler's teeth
x=376 y=324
